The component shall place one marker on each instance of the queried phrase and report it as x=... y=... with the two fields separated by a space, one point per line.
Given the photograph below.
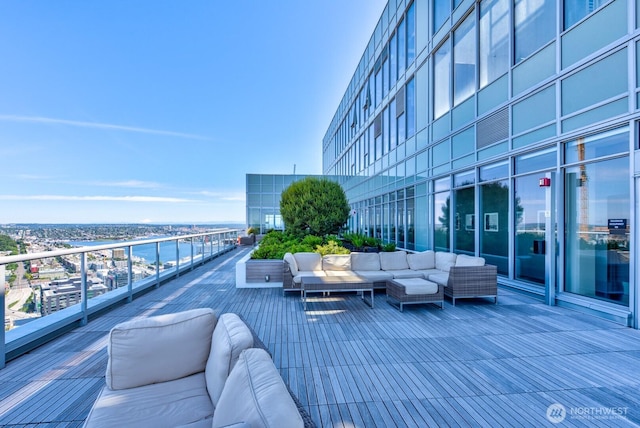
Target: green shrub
x=389 y=247
x=314 y=206
x=331 y=247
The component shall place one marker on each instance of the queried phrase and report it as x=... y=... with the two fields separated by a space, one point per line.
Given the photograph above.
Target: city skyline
x=153 y=112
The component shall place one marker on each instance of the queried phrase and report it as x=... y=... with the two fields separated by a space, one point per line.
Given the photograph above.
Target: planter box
x=258 y=270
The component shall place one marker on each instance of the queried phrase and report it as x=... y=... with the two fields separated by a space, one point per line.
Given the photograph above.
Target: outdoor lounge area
x=515 y=363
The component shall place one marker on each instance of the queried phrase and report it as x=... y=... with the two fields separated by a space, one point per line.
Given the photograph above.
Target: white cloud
x=93 y=198
x=129 y=183
x=48 y=120
x=225 y=196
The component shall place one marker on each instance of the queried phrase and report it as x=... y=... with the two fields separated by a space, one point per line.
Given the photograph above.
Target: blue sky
x=127 y=111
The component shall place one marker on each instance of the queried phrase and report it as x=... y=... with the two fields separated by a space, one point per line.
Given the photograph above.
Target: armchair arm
x=159 y=349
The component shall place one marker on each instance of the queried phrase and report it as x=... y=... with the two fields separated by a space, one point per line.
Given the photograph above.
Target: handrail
x=21 y=340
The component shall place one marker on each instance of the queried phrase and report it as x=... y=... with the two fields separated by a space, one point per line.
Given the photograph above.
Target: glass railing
x=53 y=290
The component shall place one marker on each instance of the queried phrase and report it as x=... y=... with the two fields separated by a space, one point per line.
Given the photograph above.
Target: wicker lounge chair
x=472 y=281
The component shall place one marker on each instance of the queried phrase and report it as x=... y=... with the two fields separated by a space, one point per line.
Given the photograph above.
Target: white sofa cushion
x=439 y=278
x=336 y=262
x=413 y=286
x=255 y=394
x=174 y=403
x=230 y=337
x=147 y=350
x=298 y=278
x=395 y=260
x=365 y=261
x=422 y=261
x=288 y=257
x=464 y=260
x=308 y=261
x=375 y=275
x=405 y=273
x=444 y=261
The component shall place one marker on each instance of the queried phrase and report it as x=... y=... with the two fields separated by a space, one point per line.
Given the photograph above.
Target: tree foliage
x=314 y=206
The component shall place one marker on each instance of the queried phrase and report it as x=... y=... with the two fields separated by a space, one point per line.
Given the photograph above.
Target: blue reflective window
x=402 y=46
x=441 y=11
x=410 y=98
x=411 y=34
x=535 y=25
x=575 y=10
x=464 y=58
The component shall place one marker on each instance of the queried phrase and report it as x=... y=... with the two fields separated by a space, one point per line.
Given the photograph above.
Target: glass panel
x=400 y=223
x=465 y=221
x=411 y=239
x=535 y=25
x=530 y=219
x=411 y=34
x=464 y=56
x=575 y=10
x=378 y=92
x=378 y=224
x=494 y=235
x=442 y=184
x=597 y=231
x=442 y=77
x=393 y=133
x=441 y=212
x=536 y=161
x=441 y=11
x=594 y=146
x=494 y=40
x=410 y=98
x=574 y=95
x=402 y=58
x=393 y=61
x=495 y=171
x=421 y=224
x=464 y=178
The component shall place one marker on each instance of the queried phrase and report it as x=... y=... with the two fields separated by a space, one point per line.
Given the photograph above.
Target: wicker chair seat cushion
x=415 y=286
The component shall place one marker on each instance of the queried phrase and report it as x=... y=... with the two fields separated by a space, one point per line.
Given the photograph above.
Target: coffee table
x=322 y=284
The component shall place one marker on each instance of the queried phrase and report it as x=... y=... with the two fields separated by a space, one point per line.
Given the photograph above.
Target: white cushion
x=255 y=394
x=174 y=403
x=422 y=261
x=308 y=261
x=298 y=278
x=418 y=286
x=230 y=337
x=444 y=261
x=375 y=275
x=426 y=272
x=464 y=260
x=336 y=262
x=365 y=261
x=405 y=273
x=147 y=350
x=440 y=278
x=288 y=257
x=395 y=260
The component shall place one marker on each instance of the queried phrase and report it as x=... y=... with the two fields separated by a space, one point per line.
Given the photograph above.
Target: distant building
x=60 y=294
x=118 y=254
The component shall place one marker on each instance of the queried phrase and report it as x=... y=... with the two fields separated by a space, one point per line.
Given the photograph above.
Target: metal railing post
x=177 y=258
x=130 y=274
x=83 y=289
x=157 y=264
x=191 y=241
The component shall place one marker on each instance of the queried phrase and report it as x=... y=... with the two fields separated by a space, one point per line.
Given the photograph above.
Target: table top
x=337 y=282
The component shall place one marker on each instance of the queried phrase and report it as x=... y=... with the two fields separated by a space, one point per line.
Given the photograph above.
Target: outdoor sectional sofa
x=460 y=275
x=192 y=369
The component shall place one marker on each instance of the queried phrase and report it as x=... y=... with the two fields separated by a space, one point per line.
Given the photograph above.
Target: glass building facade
x=506 y=129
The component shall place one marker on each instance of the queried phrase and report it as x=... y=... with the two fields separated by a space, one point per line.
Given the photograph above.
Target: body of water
x=148 y=251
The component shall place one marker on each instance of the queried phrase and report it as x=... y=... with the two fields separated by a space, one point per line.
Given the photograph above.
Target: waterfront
x=147 y=252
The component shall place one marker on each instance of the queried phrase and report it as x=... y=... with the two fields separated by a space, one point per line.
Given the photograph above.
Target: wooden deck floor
x=475 y=364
